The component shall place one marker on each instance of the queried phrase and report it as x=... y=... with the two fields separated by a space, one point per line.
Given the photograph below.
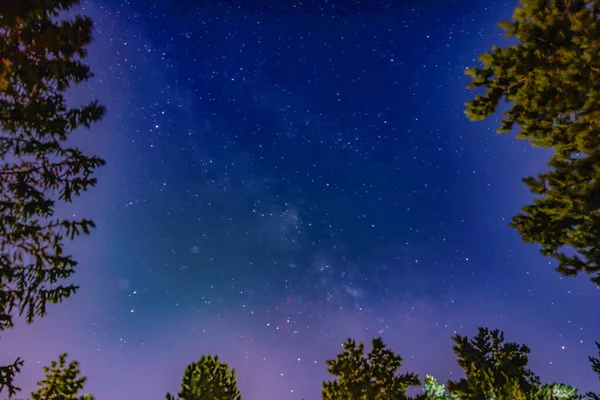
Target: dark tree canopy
x=62 y=381
x=551 y=80
x=208 y=379
x=596 y=368
x=497 y=370
x=373 y=377
x=491 y=366
x=41 y=57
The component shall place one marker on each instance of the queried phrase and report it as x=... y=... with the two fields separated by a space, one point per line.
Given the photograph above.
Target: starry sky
x=282 y=176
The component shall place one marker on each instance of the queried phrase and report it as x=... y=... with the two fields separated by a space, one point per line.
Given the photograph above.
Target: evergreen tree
x=61 y=382
x=493 y=369
x=557 y=391
x=373 y=377
x=433 y=390
x=596 y=368
x=208 y=379
x=40 y=58
x=551 y=80
x=498 y=370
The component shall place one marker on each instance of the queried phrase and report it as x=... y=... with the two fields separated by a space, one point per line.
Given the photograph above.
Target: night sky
x=283 y=177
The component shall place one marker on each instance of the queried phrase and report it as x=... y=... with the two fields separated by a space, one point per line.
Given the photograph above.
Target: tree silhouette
x=373 y=377
x=208 y=379
x=492 y=368
x=596 y=368
x=498 y=370
x=40 y=58
x=62 y=381
x=551 y=79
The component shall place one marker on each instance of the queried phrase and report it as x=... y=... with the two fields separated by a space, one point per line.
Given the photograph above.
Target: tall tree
x=208 y=379
x=373 y=377
x=62 y=381
x=498 y=370
x=41 y=57
x=551 y=80
x=492 y=368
